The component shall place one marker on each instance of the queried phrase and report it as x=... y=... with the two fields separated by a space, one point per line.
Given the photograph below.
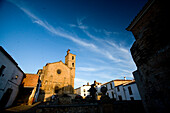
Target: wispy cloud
x=105 y=44
x=104 y=72
x=109 y=33
x=100 y=50
x=79 y=82
x=106 y=41
x=103 y=76
x=86 y=69
x=104 y=31
x=117 y=47
x=63 y=34
x=80 y=24
x=56 y=32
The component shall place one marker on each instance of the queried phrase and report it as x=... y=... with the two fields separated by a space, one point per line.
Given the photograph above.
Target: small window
x=16 y=76
x=72 y=57
x=131 y=98
x=84 y=94
x=107 y=94
x=1 y=70
x=111 y=86
x=120 y=97
x=84 y=90
x=118 y=88
x=72 y=64
x=59 y=71
x=130 y=90
x=112 y=95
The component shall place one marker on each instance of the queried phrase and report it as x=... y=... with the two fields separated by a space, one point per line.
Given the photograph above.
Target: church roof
x=54 y=63
x=30 y=81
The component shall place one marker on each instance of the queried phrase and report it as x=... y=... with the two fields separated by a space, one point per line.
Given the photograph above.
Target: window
x=131 y=98
x=72 y=64
x=84 y=94
x=1 y=70
x=111 y=86
x=84 y=90
x=120 y=97
x=112 y=95
x=130 y=90
x=59 y=71
x=16 y=76
x=118 y=88
x=72 y=57
x=107 y=94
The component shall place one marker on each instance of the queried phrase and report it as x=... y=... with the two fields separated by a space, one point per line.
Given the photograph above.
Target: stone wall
x=151 y=53
x=95 y=107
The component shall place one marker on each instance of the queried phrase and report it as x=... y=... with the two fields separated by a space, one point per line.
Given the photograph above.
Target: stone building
x=11 y=77
x=58 y=78
x=151 y=53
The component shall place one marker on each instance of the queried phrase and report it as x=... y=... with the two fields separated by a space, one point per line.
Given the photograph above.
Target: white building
x=119 y=93
x=83 y=90
x=10 y=78
x=121 y=89
x=111 y=87
x=127 y=91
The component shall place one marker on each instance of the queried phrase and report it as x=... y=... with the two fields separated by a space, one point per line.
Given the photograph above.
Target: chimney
x=124 y=78
x=88 y=83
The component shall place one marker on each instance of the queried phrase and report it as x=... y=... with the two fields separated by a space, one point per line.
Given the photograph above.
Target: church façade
x=57 y=78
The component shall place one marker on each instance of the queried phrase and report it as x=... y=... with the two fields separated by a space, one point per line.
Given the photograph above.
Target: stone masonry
x=151 y=53
x=57 y=78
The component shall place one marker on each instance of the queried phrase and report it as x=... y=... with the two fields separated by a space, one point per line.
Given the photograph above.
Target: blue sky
x=36 y=32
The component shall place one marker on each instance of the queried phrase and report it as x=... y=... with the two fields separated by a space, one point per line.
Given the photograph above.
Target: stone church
x=57 y=78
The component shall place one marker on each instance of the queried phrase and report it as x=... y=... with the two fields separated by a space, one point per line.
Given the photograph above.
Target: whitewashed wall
x=109 y=89
x=86 y=88
x=9 y=79
x=124 y=92
x=135 y=92
x=120 y=92
x=80 y=91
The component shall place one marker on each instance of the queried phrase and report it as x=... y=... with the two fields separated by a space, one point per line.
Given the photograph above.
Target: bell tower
x=70 y=60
